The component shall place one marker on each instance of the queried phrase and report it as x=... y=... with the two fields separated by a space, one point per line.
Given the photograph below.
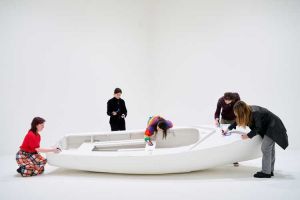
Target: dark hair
x=36 y=121
x=117 y=90
x=162 y=124
x=231 y=96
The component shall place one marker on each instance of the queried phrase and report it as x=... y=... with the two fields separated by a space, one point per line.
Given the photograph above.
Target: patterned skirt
x=30 y=164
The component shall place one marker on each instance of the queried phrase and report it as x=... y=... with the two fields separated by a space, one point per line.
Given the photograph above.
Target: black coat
x=116 y=105
x=264 y=122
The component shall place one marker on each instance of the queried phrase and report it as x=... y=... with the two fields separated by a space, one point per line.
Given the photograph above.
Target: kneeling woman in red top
x=30 y=162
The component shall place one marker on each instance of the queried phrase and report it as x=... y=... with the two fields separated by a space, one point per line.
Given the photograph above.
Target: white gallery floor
x=225 y=182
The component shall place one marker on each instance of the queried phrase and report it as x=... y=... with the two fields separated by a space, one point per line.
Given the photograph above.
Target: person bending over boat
x=266 y=124
x=156 y=123
x=30 y=162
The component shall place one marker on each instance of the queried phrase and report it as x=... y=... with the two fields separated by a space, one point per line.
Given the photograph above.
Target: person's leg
x=267 y=148
x=38 y=170
x=273 y=159
x=19 y=161
x=224 y=121
x=24 y=164
x=114 y=126
x=39 y=163
x=38 y=159
x=27 y=171
x=122 y=126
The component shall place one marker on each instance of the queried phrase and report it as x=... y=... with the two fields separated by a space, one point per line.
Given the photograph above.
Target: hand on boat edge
x=244 y=136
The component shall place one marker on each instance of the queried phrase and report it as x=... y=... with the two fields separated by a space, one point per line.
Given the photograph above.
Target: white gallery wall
x=61 y=60
x=201 y=49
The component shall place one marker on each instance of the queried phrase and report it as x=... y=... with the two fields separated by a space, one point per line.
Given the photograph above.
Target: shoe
x=272 y=174
x=236 y=164
x=19 y=170
x=262 y=175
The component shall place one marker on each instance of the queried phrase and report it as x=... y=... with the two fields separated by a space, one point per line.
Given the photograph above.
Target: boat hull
x=210 y=153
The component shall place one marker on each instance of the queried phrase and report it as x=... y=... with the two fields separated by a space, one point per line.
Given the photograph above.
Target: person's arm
x=109 y=109
x=36 y=146
x=232 y=126
x=252 y=133
x=124 y=109
x=46 y=150
x=218 y=112
x=258 y=126
x=151 y=128
x=147 y=137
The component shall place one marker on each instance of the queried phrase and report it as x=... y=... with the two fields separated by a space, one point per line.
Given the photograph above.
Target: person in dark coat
x=225 y=108
x=262 y=122
x=117 y=111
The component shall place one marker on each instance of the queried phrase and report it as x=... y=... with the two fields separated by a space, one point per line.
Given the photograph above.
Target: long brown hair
x=243 y=113
x=36 y=121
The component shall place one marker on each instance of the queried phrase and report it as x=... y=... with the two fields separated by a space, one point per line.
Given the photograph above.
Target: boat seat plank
x=119 y=143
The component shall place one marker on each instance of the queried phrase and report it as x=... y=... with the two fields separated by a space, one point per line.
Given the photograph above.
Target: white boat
x=185 y=149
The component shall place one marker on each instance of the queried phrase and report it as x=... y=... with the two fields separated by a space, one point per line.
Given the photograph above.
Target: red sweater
x=31 y=142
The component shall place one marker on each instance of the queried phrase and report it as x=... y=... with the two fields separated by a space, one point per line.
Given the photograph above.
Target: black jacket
x=116 y=105
x=264 y=122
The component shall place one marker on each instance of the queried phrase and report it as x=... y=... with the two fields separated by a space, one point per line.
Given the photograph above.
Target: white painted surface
x=209 y=150
x=224 y=182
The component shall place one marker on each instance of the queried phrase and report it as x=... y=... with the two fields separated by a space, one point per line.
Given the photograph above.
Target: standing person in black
x=117 y=111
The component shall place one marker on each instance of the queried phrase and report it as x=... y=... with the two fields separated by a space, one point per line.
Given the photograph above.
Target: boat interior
x=131 y=140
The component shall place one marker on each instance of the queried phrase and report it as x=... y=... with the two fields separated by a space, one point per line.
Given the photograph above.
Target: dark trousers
x=117 y=125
